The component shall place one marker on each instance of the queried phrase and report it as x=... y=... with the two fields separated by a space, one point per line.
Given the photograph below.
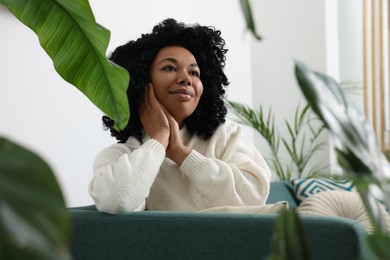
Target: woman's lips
x=182 y=94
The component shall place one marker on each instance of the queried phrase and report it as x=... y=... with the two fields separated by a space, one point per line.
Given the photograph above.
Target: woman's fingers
x=149 y=95
x=153 y=118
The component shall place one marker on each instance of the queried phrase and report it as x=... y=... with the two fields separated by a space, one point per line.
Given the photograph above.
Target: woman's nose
x=185 y=80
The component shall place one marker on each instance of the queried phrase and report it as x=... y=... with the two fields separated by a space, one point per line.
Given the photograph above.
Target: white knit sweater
x=226 y=170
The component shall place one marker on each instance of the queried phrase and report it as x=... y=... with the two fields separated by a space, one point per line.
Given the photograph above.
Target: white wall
x=41 y=111
x=291 y=30
x=325 y=34
x=346 y=51
x=351 y=40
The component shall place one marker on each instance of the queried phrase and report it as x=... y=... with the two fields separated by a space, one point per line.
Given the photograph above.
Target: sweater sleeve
x=235 y=176
x=124 y=174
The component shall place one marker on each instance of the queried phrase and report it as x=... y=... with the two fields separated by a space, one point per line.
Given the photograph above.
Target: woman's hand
x=176 y=150
x=154 y=119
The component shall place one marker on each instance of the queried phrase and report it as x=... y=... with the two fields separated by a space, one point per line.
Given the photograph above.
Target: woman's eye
x=194 y=73
x=168 y=68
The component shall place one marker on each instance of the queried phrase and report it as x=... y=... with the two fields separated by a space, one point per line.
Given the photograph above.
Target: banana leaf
x=77 y=45
x=34 y=222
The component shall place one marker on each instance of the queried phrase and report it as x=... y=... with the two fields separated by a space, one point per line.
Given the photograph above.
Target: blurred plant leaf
x=250 y=23
x=288 y=240
x=379 y=243
x=358 y=152
x=34 y=221
x=351 y=130
x=352 y=87
x=68 y=32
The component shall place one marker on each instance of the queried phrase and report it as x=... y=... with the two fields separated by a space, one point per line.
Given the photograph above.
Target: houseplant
x=306 y=136
x=34 y=222
x=358 y=154
x=304 y=140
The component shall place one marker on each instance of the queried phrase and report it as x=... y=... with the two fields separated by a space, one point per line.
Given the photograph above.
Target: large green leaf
x=358 y=152
x=68 y=32
x=351 y=131
x=34 y=222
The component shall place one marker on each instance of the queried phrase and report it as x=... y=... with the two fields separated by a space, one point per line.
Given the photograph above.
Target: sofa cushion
x=304 y=188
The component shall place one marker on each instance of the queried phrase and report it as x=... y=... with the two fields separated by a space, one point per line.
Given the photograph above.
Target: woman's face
x=175 y=77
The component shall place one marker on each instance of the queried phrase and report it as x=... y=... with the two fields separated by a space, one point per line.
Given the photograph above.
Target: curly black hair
x=207 y=46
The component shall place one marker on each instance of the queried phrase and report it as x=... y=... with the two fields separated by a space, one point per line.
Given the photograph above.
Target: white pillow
x=337 y=203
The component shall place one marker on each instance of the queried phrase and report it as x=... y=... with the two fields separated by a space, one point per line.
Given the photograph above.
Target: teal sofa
x=174 y=235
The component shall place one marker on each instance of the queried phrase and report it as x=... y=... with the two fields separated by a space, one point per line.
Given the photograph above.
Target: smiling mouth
x=182 y=92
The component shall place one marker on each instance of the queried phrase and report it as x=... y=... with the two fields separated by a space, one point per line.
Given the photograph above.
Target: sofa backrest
x=282 y=191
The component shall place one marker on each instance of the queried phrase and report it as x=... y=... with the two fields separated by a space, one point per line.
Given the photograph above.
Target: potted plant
x=35 y=223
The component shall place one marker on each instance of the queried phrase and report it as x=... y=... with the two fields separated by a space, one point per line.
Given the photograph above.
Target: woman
x=177 y=152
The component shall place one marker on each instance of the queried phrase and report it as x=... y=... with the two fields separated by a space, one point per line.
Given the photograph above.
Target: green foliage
x=288 y=240
x=302 y=143
x=379 y=242
x=358 y=153
x=68 y=32
x=34 y=223
x=247 y=12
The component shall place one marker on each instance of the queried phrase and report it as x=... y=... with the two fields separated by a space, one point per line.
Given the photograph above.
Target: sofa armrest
x=173 y=235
